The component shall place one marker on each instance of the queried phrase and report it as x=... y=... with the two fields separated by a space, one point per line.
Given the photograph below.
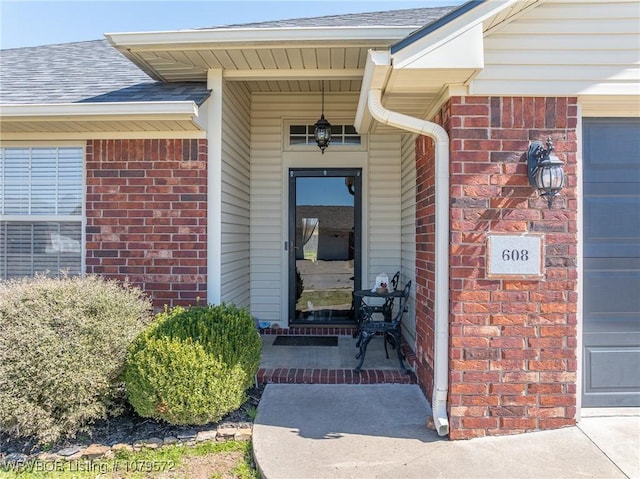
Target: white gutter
x=257 y=36
x=76 y=111
x=376 y=74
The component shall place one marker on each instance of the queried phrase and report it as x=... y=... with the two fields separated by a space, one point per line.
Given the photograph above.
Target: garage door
x=611 y=152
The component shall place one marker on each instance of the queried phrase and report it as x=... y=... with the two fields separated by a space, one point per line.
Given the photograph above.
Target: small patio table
x=364 y=311
x=389 y=327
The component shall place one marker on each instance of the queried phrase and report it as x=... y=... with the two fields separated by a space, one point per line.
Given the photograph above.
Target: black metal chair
x=361 y=311
x=391 y=331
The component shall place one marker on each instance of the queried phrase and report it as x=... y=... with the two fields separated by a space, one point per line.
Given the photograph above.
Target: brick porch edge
x=333 y=376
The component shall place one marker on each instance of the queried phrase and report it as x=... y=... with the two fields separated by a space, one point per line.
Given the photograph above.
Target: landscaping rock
x=125 y=433
x=206 y=435
x=122 y=447
x=95 y=451
x=243 y=434
x=226 y=432
x=153 y=443
x=76 y=456
x=186 y=436
x=69 y=451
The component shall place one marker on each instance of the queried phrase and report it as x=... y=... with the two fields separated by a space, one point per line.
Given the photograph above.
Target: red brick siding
x=147 y=216
x=425 y=263
x=512 y=342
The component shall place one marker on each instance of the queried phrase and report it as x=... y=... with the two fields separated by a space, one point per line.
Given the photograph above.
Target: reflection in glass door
x=324 y=244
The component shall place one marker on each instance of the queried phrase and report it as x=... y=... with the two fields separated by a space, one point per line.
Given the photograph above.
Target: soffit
x=299 y=60
x=53 y=125
x=301 y=69
x=115 y=120
x=263 y=59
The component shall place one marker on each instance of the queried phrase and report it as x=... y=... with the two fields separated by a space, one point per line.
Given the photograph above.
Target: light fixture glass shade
x=549 y=175
x=322 y=133
x=545 y=170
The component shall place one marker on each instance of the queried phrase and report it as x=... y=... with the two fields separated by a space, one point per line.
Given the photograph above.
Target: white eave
x=257 y=54
x=182 y=109
x=204 y=38
x=456 y=43
x=423 y=69
x=122 y=119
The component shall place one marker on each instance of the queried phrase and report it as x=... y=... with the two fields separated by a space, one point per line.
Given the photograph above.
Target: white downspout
x=441 y=305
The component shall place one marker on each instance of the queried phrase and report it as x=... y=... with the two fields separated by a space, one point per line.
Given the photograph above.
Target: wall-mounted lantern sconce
x=322 y=131
x=545 y=170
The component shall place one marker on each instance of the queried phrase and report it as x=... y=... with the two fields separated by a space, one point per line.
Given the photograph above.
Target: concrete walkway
x=318 y=431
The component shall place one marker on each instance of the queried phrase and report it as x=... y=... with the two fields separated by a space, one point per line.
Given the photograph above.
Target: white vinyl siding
x=384 y=206
x=271 y=115
x=41 y=211
x=267 y=203
x=408 y=238
x=564 y=48
x=236 y=114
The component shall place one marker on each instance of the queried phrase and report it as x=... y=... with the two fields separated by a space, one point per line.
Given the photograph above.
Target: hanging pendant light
x=322 y=131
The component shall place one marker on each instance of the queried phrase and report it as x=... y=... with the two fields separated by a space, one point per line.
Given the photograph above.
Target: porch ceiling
x=286 y=60
x=298 y=59
x=292 y=54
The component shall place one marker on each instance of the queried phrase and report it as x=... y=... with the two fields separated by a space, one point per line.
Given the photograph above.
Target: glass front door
x=324 y=244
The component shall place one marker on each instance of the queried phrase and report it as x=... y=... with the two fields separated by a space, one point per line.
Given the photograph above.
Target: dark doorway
x=324 y=244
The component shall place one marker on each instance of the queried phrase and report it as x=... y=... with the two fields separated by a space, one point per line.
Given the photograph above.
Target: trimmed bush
x=63 y=349
x=193 y=365
x=178 y=381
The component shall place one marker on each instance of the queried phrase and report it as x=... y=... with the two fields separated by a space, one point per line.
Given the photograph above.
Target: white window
x=346 y=135
x=41 y=217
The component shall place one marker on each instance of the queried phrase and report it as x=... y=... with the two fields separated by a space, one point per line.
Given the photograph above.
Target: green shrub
x=63 y=349
x=178 y=381
x=192 y=366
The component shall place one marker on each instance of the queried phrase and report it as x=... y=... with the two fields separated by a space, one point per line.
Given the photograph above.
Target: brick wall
x=146 y=215
x=512 y=342
x=425 y=263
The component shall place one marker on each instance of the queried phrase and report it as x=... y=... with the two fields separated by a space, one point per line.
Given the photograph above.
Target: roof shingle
x=90 y=71
x=413 y=17
x=94 y=71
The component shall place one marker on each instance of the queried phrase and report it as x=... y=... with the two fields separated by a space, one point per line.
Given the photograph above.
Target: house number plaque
x=514 y=255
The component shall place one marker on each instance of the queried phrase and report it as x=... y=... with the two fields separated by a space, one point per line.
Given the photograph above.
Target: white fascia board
x=415 y=54
x=463 y=51
x=296 y=74
x=182 y=38
x=129 y=110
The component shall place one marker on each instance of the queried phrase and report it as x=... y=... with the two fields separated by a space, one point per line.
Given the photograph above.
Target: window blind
x=41 y=195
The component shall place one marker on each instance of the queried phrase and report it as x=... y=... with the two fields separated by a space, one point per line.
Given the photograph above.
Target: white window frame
x=52 y=218
x=286 y=137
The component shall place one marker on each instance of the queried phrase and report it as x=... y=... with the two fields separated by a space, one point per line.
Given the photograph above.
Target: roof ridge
x=391 y=12
x=46 y=45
